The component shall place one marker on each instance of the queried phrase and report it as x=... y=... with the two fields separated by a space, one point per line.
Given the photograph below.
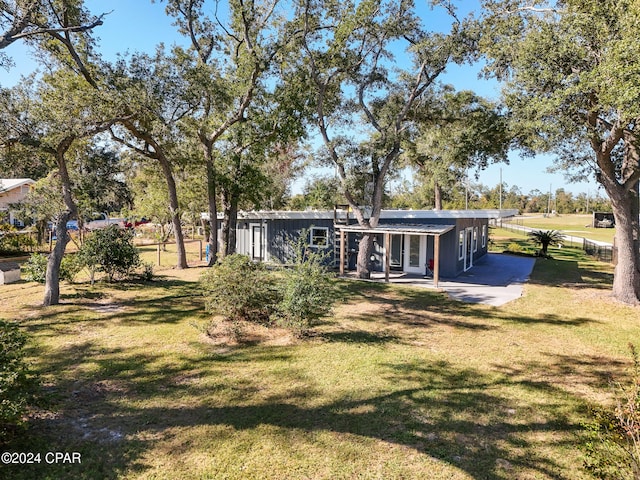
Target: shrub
x=15 y=383
x=110 y=250
x=307 y=292
x=70 y=266
x=35 y=269
x=613 y=446
x=545 y=238
x=515 y=248
x=147 y=272
x=239 y=290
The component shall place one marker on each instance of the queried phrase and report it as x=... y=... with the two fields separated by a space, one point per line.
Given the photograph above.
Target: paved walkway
x=496 y=279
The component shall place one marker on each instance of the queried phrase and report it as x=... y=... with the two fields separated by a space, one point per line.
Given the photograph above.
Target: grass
x=576 y=225
x=399 y=383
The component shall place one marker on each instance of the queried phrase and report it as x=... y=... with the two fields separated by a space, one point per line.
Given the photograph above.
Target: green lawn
x=576 y=225
x=399 y=383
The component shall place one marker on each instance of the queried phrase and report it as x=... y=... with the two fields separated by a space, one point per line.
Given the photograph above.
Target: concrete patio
x=495 y=279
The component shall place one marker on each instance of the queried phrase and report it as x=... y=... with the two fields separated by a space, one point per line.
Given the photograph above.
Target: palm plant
x=545 y=238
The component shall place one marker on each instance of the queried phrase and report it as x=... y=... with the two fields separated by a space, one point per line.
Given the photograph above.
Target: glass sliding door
x=395 y=259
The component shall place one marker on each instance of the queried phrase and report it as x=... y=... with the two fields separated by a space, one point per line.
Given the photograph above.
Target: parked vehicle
x=102 y=220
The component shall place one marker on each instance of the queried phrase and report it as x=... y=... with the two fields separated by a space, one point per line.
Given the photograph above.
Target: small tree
x=545 y=238
x=239 y=290
x=14 y=379
x=613 y=436
x=110 y=250
x=307 y=291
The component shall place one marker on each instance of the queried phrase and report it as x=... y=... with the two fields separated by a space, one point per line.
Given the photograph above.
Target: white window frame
x=461 y=237
x=484 y=236
x=312 y=237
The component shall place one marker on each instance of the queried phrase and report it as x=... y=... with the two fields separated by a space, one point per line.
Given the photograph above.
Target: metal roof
x=384 y=214
x=400 y=228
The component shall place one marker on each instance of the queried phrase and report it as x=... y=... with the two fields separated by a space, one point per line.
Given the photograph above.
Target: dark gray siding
x=282 y=234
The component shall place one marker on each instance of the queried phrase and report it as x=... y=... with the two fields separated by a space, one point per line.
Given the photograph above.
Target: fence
x=165 y=253
x=601 y=250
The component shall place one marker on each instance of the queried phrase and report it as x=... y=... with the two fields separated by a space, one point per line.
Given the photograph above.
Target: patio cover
x=388 y=229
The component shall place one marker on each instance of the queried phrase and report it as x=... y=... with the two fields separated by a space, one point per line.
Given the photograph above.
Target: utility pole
x=587 y=201
x=549 y=202
x=500 y=188
x=466 y=191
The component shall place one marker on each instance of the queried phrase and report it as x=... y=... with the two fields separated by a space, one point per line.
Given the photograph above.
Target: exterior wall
x=280 y=236
x=464 y=225
x=13 y=195
x=269 y=237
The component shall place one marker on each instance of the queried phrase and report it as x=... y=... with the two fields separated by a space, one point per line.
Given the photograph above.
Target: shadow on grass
x=461 y=416
x=114 y=404
x=100 y=305
x=571 y=267
x=425 y=309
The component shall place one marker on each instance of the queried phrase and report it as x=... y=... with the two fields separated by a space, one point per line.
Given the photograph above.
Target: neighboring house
x=12 y=191
x=437 y=242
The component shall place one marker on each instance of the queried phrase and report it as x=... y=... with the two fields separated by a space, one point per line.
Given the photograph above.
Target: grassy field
x=399 y=383
x=576 y=225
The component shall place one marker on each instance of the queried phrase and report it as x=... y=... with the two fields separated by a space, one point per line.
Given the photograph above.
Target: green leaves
x=110 y=250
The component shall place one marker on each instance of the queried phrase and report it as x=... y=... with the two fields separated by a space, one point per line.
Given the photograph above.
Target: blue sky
x=139 y=25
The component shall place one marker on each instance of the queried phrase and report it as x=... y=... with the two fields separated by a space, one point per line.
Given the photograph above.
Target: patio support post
x=436 y=260
x=387 y=255
x=342 y=235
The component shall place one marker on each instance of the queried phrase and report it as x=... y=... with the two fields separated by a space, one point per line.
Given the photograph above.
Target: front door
x=415 y=258
x=257 y=241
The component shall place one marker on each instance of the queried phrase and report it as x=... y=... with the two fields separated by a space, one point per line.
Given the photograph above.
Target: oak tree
x=362 y=97
x=572 y=84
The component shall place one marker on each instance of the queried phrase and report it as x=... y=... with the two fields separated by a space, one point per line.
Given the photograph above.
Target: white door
x=468 y=249
x=257 y=235
x=415 y=254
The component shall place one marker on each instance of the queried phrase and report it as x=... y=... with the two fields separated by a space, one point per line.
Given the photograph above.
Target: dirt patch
x=107 y=307
x=226 y=335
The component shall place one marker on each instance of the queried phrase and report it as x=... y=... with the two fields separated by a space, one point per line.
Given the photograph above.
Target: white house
x=12 y=190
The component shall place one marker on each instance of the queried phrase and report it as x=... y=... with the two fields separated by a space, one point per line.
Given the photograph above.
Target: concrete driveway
x=496 y=279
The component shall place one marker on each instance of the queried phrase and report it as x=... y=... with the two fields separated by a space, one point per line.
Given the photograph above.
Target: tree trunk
x=175 y=212
x=213 y=208
x=229 y=222
x=365 y=249
x=626 y=277
x=52 y=278
x=437 y=191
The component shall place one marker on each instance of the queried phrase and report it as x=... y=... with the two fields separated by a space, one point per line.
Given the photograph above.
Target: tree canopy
x=572 y=84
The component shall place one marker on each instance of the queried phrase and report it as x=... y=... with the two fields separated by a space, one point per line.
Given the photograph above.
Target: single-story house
x=436 y=242
x=12 y=191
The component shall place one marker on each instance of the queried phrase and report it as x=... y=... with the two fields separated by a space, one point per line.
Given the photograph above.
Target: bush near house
x=35 y=268
x=242 y=290
x=239 y=290
x=306 y=288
